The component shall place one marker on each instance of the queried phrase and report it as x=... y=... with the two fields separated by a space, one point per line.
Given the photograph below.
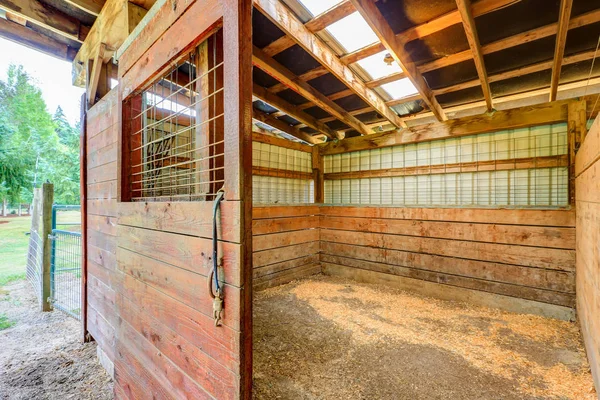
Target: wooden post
x=45 y=232
x=317 y=165
x=83 y=194
x=577 y=129
x=20 y=212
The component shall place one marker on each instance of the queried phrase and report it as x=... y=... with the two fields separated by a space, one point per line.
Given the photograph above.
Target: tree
x=34 y=145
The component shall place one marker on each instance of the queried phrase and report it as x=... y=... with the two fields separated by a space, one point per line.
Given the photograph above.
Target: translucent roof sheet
x=353 y=32
x=317 y=7
x=399 y=89
x=376 y=67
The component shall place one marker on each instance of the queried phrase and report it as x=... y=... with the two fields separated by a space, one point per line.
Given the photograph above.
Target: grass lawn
x=14 y=243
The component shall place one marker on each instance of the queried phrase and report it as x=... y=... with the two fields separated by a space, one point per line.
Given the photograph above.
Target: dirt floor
x=327 y=338
x=41 y=356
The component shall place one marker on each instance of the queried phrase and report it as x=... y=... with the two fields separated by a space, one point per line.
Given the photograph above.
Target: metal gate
x=65 y=264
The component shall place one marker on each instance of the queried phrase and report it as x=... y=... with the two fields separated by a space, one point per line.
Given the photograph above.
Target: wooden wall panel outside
x=285 y=244
x=587 y=197
x=522 y=254
x=101 y=234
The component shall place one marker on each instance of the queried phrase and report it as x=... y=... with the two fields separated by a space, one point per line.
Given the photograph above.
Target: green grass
x=5 y=323
x=14 y=244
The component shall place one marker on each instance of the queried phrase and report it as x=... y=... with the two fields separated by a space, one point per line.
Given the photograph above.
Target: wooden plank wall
x=101 y=232
x=587 y=196
x=525 y=258
x=285 y=242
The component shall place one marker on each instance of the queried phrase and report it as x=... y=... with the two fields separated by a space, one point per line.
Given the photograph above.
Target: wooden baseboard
x=106 y=363
x=452 y=293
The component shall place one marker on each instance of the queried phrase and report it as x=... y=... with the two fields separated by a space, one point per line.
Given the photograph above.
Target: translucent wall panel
x=270 y=190
x=537 y=186
x=281 y=190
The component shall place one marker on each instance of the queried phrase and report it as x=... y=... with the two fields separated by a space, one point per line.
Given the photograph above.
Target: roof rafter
x=468 y=21
x=89 y=6
x=285 y=20
x=29 y=38
x=293 y=111
x=559 y=49
x=283 y=126
x=316 y=24
x=285 y=76
x=47 y=17
x=435 y=25
x=384 y=32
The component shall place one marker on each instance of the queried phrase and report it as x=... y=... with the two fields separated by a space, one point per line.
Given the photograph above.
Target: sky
x=51 y=75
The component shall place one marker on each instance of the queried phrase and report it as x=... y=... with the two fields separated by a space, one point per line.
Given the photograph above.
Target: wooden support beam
x=547 y=113
x=318 y=176
x=318 y=23
x=435 y=25
x=502 y=44
x=577 y=130
x=384 y=32
x=285 y=76
x=40 y=14
x=559 y=49
x=294 y=112
x=281 y=173
x=29 y=38
x=468 y=21
x=474 y=166
x=282 y=126
x=94 y=76
x=275 y=141
x=89 y=6
x=285 y=20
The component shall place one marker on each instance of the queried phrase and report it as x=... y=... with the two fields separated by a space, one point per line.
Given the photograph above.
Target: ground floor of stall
x=325 y=337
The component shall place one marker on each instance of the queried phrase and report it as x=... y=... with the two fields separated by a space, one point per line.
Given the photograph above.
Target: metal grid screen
x=523 y=167
x=34 y=263
x=65 y=272
x=175 y=130
x=281 y=175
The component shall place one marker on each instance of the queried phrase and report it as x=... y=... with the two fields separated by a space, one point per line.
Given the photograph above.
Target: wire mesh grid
x=65 y=272
x=34 y=263
x=522 y=167
x=281 y=175
x=176 y=136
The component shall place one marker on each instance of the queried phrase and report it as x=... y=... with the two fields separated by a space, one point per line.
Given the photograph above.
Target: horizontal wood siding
x=587 y=196
x=101 y=234
x=525 y=254
x=285 y=244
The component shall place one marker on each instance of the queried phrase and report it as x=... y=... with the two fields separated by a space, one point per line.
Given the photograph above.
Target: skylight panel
x=377 y=68
x=317 y=7
x=353 y=32
x=399 y=89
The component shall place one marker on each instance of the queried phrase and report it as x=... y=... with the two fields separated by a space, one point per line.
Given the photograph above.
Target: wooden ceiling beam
x=285 y=20
x=27 y=37
x=435 y=25
x=468 y=21
x=285 y=76
x=502 y=44
x=43 y=15
x=318 y=23
x=283 y=127
x=384 y=32
x=559 y=49
x=293 y=111
x=92 y=7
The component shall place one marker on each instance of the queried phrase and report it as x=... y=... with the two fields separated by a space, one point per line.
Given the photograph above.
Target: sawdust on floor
x=331 y=338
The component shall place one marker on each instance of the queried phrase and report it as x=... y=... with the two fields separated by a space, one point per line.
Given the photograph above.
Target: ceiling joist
x=468 y=21
x=286 y=21
x=315 y=25
x=293 y=111
x=92 y=7
x=384 y=32
x=47 y=17
x=285 y=76
x=559 y=49
x=283 y=126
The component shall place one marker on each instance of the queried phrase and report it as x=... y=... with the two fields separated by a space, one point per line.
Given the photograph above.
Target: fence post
x=45 y=232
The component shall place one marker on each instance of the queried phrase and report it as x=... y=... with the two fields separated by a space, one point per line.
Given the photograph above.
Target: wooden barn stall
x=397 y=199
